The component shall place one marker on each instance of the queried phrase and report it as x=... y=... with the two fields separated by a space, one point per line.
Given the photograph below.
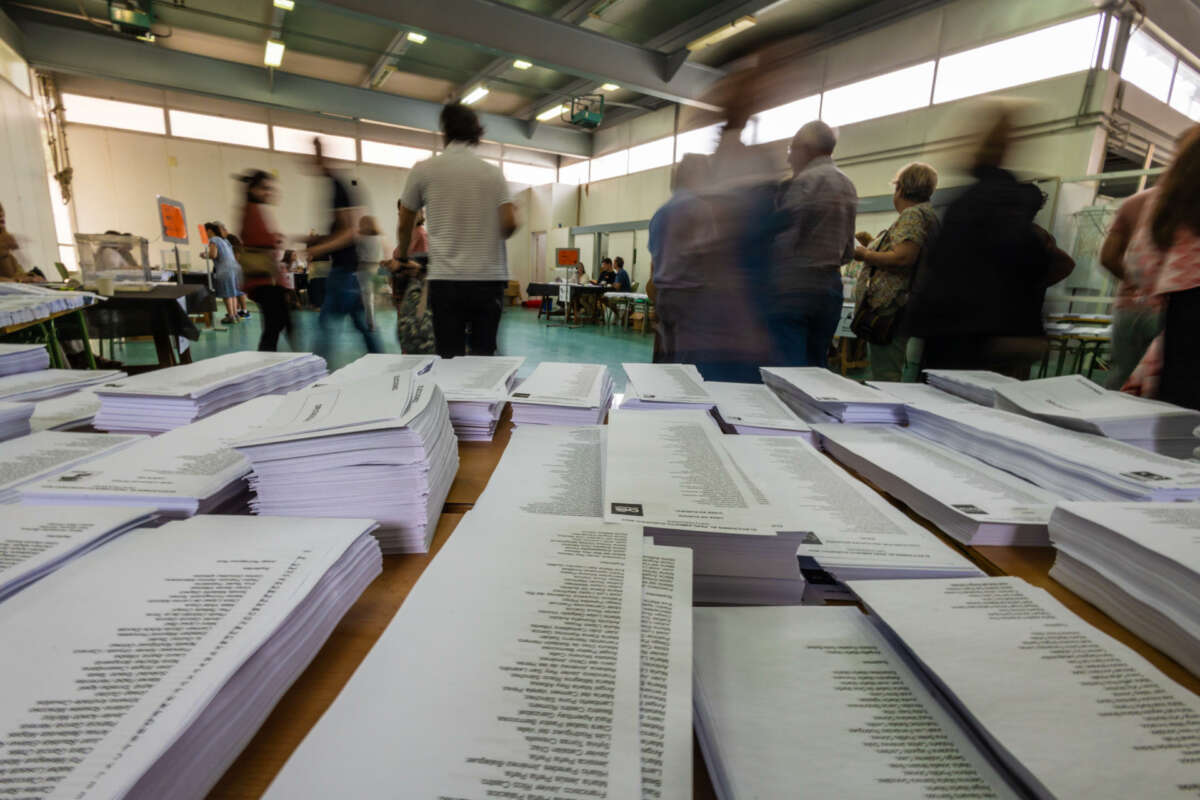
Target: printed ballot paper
x=549 y=469
x=751 y=408
x=816 y=390
x=563 y=394
x=566 y=673
x=158 y=655
x=40 y=455
x=1069 y=710
x=665 y=387
x=476 y=387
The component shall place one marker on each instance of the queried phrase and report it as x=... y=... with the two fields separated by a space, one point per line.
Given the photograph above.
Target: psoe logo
x=627 y=509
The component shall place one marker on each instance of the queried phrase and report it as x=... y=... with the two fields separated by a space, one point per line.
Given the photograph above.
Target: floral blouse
x=889 y=288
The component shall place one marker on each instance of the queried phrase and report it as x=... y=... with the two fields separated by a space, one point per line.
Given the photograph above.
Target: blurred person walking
x=1137 y=316
x=978 y=302
x=369 y=246
x=262 y=268
x=820 y=205
x=1164 y=258
x=470 y=214
x=889 y=263
x=343 y=294
x=410 y=291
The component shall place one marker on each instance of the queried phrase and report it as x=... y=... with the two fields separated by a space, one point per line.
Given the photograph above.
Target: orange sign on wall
x=203 y=233
x=567 y=256
x=171 y=217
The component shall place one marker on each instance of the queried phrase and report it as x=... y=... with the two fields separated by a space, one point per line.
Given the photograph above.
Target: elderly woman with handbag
x=890 y=264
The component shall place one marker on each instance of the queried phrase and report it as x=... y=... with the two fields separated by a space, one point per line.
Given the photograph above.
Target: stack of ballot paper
x=14 y=420
x=817 y=389
x=167 y=398
x=16 y=358
x=917 y=393
x=1064 y=709
x=965 y=498
x=978 y=386
x=63 y=413
x=1140 y=564
x=190 y=470
x=1072 y=464
x=29 y=387
x=158 y=656
x=549 y=469
x=751 y=408
x=563 y=394
x=381 y=364
x=882 y=732
x=665 y=387
x=1073 y=401
x=476 y=387
x=381 y=447
x=36 y=540
x=30 y=458
x=567 y=675
x=671 y=475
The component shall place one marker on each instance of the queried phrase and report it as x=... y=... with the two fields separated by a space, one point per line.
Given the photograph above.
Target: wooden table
x=319 y=685
x=155 y=312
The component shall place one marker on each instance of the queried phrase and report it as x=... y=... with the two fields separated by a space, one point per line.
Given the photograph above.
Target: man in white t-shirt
x=469 y=214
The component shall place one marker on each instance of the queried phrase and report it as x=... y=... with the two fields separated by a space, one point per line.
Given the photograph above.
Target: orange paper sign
x=172 y=221
x=567 y=256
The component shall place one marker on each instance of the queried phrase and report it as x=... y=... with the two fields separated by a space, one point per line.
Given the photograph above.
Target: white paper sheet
x=47 y=453
x=665 y=698
x=381 y=364
x=667 y=383
x=533 y=690
x=1080 y=713
x=549 y=469
x=476 y=378
x=812 y=702
x=78 y=408
x=115 y=682
x=753 y=405
x=563 y=384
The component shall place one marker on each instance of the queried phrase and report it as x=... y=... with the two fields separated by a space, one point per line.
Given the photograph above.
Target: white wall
x=24 y=191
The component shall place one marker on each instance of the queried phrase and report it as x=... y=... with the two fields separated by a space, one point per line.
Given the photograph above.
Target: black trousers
x=466 y=313
x=1180 y=382
x=272 y=304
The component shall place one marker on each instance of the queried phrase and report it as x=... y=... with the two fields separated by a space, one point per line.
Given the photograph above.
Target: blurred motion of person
x=410 y=291
x=418 y=248
x=889 y=264
x=678 y=233
x=978 y=301
x=469 y=215
x=1164 y=257
x=1137 y=316
x=10 y=268
x=262 y=268
x=225 y=272
x=343 y=294
x=820 y=205
x=369 y=246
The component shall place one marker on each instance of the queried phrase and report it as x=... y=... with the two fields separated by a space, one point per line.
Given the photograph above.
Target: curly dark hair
x=460 y=124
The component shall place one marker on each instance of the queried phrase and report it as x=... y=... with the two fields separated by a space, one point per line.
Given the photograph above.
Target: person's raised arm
x=508 y=220
x=1112 y=252
x=404 y=230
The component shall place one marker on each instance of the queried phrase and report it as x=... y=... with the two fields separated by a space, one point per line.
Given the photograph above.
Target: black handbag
x=873 y=325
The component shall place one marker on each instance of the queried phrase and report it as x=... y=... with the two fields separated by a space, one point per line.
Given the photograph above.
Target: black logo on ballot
x=627 y=509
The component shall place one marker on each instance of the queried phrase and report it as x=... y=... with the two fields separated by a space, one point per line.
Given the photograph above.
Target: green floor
x=521 y=334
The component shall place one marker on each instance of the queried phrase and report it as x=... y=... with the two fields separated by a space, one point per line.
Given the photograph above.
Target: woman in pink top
x=1164 y=259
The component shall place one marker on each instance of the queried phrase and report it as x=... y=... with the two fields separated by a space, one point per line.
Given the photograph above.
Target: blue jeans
x=802 y=326
x=343 y=296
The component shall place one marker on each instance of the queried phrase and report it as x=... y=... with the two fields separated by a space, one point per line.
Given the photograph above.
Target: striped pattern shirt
x=461 y=194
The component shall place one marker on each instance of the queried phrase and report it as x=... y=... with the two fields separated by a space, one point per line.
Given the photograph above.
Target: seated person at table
x=621 y=279
x=580 y=277
x=608 y=275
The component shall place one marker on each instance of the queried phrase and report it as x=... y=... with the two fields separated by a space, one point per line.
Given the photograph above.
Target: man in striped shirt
x=469 y=214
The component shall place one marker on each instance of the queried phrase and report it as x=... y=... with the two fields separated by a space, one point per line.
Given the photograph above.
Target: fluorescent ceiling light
x=520 y=64
x=475 y=95
x=286 y=5
x=609 y=87
x=417 y=38
x=722 y=33
x=550 y=113
x=273 y=55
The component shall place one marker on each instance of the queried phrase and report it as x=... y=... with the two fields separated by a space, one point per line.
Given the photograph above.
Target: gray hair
x=819 y=136
x=916 y=181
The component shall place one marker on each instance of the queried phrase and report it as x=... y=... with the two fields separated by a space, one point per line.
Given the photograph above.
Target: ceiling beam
x=511 y=32
x=397 y=47
x=708 y=20
x=572 y=11
x=64 y=49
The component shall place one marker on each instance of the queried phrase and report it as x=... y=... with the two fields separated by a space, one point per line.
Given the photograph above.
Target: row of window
x=206 y=127
x=1047 y=53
